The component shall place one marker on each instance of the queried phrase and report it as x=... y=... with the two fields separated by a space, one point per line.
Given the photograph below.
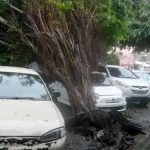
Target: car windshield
x=22 y=86
x=143 y=75
x=121 y=73
x=99 y=80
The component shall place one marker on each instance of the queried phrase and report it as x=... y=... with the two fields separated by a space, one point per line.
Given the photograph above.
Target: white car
x=132 y=87
x=106 y=96
x=28 y=115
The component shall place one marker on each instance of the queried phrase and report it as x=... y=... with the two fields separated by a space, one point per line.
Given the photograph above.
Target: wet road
x=142 y=115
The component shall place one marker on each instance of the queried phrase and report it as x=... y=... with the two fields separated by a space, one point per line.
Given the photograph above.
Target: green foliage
x=5 y=57
x=3 y=7
x=116 y=21
x=62 y=6
x=113 y=19
x=14 y=52
x=111 y=59
x=141 y=25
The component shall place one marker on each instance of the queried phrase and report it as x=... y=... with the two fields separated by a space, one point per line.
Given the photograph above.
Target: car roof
x=114 y=66
x=17 y=70
x=95 y=72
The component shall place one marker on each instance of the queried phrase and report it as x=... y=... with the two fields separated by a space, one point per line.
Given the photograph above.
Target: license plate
x=113 y=101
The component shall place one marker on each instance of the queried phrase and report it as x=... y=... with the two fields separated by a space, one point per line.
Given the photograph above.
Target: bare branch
x=4 y=43
x=3 y=21
x=16 y=9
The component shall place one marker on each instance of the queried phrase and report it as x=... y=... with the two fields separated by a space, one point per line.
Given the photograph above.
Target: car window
x=99 y=80
x=121 y=73
x=22 y=86
x=103 y=69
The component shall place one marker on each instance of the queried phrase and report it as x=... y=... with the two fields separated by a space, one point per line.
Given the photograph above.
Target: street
x=142 y=115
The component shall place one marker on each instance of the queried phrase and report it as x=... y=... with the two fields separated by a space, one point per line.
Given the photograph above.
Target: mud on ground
x=134 y=111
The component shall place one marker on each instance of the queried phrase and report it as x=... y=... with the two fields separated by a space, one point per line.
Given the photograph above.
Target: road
x=142 y=115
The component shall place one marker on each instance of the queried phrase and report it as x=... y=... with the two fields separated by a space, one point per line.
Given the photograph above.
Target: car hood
x=107 y=90
x=27 y=117
x=133 y=82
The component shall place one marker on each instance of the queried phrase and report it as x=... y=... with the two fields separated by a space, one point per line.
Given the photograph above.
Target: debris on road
x=115 y=132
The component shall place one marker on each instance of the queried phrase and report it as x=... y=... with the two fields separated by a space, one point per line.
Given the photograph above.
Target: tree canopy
x=141 y=26
x=117 y=21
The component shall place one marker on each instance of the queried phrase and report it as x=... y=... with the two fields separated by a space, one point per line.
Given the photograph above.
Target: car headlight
x=122 y=84
x=53 y=135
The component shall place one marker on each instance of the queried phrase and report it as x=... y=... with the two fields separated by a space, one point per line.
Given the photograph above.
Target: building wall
x=126 y=56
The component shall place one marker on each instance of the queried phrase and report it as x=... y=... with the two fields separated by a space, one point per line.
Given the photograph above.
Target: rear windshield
x=99 y=80
x=22 y=86
x=121 y=73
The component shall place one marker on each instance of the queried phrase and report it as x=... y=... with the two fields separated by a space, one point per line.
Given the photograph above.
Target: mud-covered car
x=28 y=116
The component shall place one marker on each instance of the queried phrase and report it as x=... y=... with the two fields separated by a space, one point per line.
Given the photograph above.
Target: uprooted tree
x=66 y=39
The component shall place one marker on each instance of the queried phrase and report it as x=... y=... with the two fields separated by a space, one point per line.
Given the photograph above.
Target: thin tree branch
x=4 y=43
x=3 y=21
x=16 y=9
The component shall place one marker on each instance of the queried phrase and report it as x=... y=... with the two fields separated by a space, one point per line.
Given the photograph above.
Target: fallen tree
x=64 y=37
x=66 y=44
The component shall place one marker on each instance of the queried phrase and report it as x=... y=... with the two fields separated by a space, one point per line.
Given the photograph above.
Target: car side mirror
x=55 y=95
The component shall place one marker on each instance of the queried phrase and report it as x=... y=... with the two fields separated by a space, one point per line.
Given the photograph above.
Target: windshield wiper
x=31 y=98
x=105 y=85
x=17 y=98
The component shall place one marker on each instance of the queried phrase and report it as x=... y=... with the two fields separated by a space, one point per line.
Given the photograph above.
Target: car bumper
x=133 y=92
x=138 y=99
x=119 y=106
x=54 y=145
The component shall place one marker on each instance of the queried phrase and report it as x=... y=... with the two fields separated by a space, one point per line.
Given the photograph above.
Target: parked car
x=143 y=75
x=106 y=95
x=27 y=112
x=133 y=88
